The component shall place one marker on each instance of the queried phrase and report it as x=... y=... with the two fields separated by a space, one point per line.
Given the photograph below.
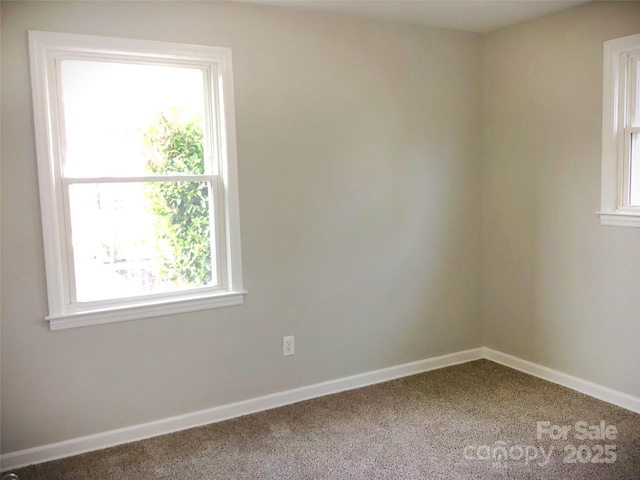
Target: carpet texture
x=444 y=424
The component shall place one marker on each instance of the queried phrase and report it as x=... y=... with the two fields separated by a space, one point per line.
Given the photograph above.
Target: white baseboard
x=584 y=386
x=45 y=453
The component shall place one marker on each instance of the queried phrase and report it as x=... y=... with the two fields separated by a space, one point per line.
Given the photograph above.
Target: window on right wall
x=620 y=203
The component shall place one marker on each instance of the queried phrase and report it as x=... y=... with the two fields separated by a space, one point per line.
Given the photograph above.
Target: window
x=621 y=133
x=137 y=170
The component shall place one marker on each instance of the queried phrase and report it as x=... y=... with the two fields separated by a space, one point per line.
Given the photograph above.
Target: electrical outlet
x=288 y=346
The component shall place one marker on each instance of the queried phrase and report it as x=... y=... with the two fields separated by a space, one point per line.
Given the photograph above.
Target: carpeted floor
x=444 y=424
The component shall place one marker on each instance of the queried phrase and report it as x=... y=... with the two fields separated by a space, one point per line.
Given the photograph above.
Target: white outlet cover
x=288 y=345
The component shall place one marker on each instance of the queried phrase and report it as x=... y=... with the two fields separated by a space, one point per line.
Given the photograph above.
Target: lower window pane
x=634 y=178
x=133 y=239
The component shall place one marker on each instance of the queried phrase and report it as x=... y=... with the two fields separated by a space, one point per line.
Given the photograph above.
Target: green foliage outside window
x=175 y=146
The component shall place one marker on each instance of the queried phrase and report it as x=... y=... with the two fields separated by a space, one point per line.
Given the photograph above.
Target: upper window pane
x=112 y=112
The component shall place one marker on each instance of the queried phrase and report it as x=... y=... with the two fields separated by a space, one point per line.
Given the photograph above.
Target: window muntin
x=136 y=153
x=620 y=198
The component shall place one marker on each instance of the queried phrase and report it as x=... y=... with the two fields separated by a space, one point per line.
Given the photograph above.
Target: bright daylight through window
x=621 y=133
x=137 y=167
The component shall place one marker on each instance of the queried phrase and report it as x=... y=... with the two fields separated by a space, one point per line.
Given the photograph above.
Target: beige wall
x=559 y=289
x=359 y=147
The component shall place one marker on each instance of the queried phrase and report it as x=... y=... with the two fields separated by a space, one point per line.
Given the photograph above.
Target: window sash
x=632 y=126
x=211 y=90
x=628 y=125
x=218 y=260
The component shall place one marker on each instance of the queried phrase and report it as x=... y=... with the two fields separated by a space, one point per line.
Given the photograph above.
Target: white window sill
x=620 y=219
x=155 y=309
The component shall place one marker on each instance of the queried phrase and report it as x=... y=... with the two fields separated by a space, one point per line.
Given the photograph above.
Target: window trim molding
x=613 y=210
x=147 y=309
x=44 y=47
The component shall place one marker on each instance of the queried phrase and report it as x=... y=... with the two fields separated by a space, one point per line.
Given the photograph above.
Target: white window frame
x=47 y=48
x=618 y=107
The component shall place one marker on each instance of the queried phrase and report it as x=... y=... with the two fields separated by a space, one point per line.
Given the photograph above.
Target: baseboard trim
x=76 y=446
x=606 y=394
x=54 y=451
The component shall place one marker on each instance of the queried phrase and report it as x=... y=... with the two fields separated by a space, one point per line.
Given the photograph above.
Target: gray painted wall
x=359 y=150
x=559 y=289
x=360 y=155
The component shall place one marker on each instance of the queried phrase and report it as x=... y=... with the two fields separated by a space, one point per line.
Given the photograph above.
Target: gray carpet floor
x=443 y=424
